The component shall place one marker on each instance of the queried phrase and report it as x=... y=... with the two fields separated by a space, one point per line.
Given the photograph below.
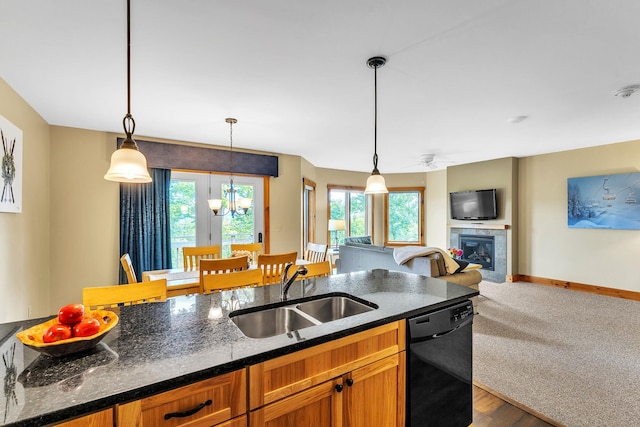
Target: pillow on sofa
x=462 y=263
x=358 y=239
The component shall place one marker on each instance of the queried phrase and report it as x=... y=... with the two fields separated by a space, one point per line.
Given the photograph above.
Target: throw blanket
x=404 y=253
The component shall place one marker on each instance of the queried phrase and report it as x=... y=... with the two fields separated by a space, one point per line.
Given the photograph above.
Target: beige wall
x=436 y=208
x=24 y=245
x=501 y=174
x=85 y=241
x=547 y=247
x=67 y=235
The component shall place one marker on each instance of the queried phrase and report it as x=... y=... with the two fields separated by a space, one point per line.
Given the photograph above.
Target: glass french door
x=194 y=224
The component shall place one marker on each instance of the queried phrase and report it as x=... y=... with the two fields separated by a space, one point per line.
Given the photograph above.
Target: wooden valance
x=176 y=156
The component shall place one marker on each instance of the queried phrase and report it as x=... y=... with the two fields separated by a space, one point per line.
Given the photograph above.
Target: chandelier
x=235 y=205
x=128 y=164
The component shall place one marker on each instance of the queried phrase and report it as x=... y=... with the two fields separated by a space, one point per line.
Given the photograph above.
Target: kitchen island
x=158 y=347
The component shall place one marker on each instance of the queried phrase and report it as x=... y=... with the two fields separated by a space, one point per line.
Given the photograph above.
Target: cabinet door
x=286 y=375
x=205 y=403
x=319 y=406
x=374 y=395
x=99 y=419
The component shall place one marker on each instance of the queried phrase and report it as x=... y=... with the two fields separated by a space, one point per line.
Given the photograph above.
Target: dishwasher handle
x=416 y=339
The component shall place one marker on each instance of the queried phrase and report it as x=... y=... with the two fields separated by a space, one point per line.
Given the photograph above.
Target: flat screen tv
x=473 y=205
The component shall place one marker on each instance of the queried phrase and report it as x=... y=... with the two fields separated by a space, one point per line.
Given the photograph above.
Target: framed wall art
x=11 y=174
x=604 y=201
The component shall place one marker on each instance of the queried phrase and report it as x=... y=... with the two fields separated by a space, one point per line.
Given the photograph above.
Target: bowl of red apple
x=75 y=329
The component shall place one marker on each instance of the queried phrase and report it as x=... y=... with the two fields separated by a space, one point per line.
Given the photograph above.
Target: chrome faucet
x=286 y=283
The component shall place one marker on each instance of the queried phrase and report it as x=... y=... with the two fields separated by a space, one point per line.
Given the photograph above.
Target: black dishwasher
x=439 y=379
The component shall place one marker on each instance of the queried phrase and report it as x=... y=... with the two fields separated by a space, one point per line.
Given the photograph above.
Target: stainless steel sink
x=270 y=321
x=333 y=308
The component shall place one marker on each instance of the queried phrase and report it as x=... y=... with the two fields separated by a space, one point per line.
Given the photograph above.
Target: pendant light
x=375 y=182
x=235 y=205
x=128 y=164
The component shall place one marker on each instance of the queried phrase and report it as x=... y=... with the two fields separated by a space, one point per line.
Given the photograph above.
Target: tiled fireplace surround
x=499 y=274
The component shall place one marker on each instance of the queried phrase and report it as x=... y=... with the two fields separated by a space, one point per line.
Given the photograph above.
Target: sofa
x=358 y=254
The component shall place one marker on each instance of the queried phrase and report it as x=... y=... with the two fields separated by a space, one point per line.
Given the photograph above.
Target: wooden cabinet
x=212 y=402
x=98 y=419
x=334 y=384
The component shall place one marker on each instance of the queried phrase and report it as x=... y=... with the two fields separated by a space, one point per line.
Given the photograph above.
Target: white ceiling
x=294 y=74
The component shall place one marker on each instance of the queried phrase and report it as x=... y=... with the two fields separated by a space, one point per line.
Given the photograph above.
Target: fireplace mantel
x=480 y=225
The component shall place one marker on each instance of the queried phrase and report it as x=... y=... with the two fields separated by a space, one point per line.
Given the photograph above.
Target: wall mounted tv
x=473 y=205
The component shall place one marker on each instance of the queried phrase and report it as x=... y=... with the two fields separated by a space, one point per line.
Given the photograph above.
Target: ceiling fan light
x=128 y=165
x=376 y=184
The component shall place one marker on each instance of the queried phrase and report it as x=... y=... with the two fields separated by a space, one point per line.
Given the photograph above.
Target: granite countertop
x=160 y=346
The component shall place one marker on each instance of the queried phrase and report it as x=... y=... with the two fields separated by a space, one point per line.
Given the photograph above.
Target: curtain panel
x=145 y=225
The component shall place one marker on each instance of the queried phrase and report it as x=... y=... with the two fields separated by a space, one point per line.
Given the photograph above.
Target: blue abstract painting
x=605 y=201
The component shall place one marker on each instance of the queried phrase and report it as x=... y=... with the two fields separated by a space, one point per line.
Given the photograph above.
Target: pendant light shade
x=128 y=164
x=375 y=182
x=376 y=185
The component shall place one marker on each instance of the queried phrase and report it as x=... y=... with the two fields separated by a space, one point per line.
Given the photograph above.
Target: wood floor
x=489 y=410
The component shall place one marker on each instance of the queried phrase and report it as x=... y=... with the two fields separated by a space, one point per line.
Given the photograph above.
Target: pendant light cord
x=375 y=118
x=128 y=123
x=231 y=153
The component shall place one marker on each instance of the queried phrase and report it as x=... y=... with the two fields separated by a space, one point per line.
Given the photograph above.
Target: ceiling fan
x=430 y=162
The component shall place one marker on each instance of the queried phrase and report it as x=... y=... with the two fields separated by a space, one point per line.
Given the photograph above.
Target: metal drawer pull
x=189 y=412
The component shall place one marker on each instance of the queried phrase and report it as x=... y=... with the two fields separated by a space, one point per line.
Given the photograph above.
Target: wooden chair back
x=272 y=265
x=316 y=269
x=232 y=280
x=254 y=248
x=315 y=252
x=125 y=260
x=192 y=255
x=136 y=293
x=221 y=266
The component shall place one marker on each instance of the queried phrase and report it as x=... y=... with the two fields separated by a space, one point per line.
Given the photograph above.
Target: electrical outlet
x=29 y=311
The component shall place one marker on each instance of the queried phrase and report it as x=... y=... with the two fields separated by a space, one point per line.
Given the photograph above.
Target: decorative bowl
x=32 y=337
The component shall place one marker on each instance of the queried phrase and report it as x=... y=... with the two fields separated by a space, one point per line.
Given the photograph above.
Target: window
x=193 y=223
x=309 y=211
x=352 y=205
x=404 y=216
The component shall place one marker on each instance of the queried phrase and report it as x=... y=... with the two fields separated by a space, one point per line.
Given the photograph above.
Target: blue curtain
x=144 y=224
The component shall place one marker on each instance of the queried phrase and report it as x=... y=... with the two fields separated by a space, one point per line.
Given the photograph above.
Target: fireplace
x=478 y=249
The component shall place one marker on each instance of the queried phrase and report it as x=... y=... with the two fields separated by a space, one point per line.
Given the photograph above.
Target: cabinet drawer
x=205 y=403
x=236 y=422
x=283 y=376
x=98 y=419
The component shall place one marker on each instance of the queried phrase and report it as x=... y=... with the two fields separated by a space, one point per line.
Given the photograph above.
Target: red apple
x=57 y=332
x=71 y=314
x=86 y=327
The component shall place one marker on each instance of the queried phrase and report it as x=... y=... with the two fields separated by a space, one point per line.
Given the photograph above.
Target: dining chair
x=316 y=269
x=231 y=280
x=254 y=249
x=125 y=260
x=315 y=252
x=136 y=293
x=221 y=266
x=272 y=265
x=191 y=256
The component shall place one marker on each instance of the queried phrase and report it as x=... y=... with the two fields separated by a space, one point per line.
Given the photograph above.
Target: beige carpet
x=572 y=356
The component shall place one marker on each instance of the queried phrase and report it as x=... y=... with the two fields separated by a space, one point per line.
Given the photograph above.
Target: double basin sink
x=288 y=316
